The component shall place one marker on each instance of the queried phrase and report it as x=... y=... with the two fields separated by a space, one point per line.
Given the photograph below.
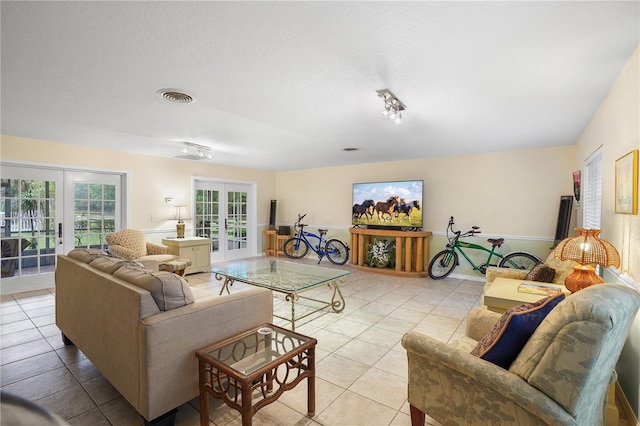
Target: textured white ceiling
x=288 y=85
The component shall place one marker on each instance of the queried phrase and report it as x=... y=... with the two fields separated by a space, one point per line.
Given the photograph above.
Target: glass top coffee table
x=289 y=278
x=252 y=369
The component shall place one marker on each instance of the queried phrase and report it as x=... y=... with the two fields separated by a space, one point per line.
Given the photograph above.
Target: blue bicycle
x=298 y=246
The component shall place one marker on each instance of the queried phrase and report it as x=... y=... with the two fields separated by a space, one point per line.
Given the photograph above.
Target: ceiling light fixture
x=193 y=151
x=392 y=106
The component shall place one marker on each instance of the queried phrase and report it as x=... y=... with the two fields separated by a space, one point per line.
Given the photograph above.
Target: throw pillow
x=111 y=264
x=168 y=290
x=86 y=255
x=541 y=273
x=508 y=336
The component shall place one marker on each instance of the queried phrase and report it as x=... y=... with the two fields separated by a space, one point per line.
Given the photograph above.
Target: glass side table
x=252 y=369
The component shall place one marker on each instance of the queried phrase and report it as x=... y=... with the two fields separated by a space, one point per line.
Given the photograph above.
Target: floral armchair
x=561 y=376
x=131 y=244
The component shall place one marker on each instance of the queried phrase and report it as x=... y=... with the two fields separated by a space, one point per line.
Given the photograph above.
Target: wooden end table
x=503 y=294
x=259 y=364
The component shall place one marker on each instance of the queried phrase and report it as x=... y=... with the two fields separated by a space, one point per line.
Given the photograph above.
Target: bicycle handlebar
x=300 y=217
x=472 y=231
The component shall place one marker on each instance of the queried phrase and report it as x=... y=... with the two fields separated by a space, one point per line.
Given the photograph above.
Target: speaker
x=564 y=219
x=272 y=215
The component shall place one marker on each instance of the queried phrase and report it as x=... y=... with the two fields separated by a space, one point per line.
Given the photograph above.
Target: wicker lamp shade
x=586 y=248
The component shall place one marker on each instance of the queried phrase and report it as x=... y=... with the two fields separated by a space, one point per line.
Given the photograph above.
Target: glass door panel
x=28 y=227
x=207 y=217
x=236 y=220
x=93 y=204
x=94 y=214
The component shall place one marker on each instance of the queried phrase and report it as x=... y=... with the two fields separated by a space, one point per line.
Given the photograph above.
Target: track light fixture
x=393 y=107
x=193 y=151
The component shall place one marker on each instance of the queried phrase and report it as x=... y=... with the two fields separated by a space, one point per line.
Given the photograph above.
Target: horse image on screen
x=388 y=204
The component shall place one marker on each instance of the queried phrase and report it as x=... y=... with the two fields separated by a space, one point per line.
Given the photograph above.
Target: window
x=592 y=198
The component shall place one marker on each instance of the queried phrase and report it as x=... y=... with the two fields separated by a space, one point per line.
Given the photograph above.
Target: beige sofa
x=147 y=354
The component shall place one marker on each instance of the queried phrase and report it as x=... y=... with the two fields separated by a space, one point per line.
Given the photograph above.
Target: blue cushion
x=508 y=336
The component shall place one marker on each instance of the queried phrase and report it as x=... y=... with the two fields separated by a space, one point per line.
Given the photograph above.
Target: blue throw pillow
x=508 y=336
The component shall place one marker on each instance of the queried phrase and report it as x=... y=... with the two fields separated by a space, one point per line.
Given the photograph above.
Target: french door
x=225 y=213
x=92 y=208
x=45 y=212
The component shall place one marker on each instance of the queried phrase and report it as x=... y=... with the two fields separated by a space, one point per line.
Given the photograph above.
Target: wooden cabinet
x=412 y=250
x=274 y=242
x=196 y=249
x=270 y=242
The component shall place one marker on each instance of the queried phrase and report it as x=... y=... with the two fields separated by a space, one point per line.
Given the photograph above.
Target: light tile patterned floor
x=361 y=365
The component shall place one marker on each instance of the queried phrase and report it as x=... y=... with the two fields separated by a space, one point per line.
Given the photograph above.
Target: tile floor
x=361 y=366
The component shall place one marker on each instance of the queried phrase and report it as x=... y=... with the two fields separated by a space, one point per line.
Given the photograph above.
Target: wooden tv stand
x=412 y=250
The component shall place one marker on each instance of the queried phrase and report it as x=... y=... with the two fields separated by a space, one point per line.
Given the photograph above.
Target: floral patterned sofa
x=559 y=377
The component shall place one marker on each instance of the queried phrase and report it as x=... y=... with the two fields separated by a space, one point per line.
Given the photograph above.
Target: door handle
x=225 y=225
x=60 y=233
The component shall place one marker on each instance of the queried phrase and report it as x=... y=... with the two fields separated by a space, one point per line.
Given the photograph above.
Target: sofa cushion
x=86 y=255
x=160 y=258
x=111 y=264
x=541 y=273
x=563 y=268
x=169 y=290
x=508 y=336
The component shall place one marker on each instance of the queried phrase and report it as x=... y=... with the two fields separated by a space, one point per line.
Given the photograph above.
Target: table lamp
x=180 y=214
x=587 y=249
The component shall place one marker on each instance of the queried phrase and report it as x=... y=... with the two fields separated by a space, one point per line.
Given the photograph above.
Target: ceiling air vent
x=175 y=96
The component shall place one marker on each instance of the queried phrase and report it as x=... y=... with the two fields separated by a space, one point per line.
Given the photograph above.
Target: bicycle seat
x=322 y=231
x=496 y=242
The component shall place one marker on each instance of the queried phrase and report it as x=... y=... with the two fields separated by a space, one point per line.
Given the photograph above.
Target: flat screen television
x=396 y=204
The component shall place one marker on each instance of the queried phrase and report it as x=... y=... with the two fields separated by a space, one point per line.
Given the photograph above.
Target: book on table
x=544 y=290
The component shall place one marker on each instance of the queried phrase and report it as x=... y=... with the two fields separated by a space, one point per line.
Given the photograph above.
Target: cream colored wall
x=616 y=126
x=150 y=179
x=510 y=194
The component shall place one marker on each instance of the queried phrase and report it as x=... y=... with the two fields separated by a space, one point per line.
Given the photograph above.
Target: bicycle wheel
x=295 y=248
x=443 y=264
x=337 y=252
x=518 y=260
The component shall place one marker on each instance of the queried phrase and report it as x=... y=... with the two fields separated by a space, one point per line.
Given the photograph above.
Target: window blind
x=592 y=194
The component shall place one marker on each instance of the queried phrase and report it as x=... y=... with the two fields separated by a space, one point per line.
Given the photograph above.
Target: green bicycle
x=446 y=261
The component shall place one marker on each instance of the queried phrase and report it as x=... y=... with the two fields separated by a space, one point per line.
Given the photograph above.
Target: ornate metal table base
x=337 y=300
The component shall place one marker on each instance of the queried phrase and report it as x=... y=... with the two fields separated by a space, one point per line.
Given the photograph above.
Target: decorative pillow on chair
x=541 y=273
x=508 y=336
